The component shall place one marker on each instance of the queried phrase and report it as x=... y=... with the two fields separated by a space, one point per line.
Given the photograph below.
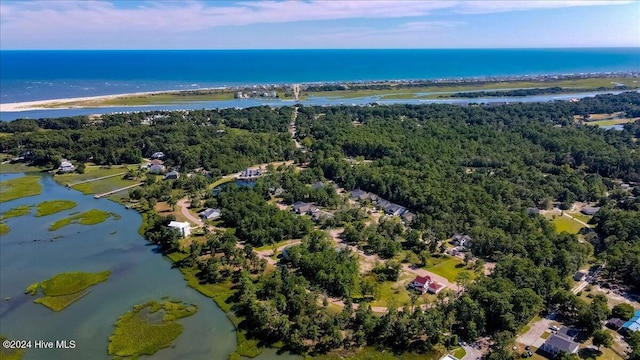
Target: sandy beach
x=81 y=102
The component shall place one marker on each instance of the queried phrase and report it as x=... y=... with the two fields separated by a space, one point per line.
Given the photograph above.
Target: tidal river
x=30 y=253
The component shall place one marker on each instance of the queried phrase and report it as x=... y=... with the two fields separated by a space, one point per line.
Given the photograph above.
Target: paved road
x=533 y=336
x=472 y=353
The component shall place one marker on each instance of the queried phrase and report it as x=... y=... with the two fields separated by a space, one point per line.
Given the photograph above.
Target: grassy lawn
x=90 y=172
x=91 y=217
x=104 y=185
x=566 y=224
x=18 y=168
x=449 y=268
x=371 y=353
x=64 y=289
x=54 y=206
x=581 y=216
x=19 y=187
x=612 y=121
x=16 y=212
x=221 y=181
x=271 y=246
x=459 y=353
x=390 y=293
x=148 y=328
x=545 y=335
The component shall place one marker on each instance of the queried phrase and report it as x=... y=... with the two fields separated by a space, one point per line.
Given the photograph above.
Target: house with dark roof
x=172 y=175
x=615 y=323
x=408 y=216
x=394 y=209
x=533 y=211
x=320 y=214
x=157 y=155
x=361 y=195
x=157 y=169
x=210 y=214
x=461 y=240
x=559 y=342
x=578 y=276
x=300 y=207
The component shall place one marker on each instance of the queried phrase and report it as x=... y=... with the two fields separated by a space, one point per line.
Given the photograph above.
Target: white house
x=66 y=166
x=183 y=227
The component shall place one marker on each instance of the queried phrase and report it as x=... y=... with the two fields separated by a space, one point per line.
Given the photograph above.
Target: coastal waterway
x=313 y=100
x=30 y=253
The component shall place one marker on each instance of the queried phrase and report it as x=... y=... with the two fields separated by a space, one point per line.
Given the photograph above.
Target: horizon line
x=316 y=49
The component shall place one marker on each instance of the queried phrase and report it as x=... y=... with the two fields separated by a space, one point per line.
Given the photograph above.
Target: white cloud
x=147 y=24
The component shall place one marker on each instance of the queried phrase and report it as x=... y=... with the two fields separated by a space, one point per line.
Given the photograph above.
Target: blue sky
x=312 y=24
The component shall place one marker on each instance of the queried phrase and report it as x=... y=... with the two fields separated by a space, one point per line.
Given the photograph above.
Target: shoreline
x=544 y=81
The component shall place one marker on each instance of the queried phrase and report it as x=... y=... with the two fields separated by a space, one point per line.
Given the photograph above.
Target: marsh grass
x=10 y=354
x=148 y=328
x=16 y=212
x=51 y=207
x=4 y=228
x=19 y=187
x=64 y=289
x=91 y=217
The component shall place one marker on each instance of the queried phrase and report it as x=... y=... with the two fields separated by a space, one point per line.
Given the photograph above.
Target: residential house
x=420 y=284
x=461 y=240
x=300 y=207
x=394 y=209
x=359 y=195
x=172 y=175
x=157 y=169
x=579 y=276
x=615 y=323
x=157 y=155
x=435 y=287
x=251 y=173
x=66 y=166
x=559 y=342
x=210 y=214
x=183 y=227
x=408 y=217
x=382 y=203
x=321 y=214
x=633 y=324
x=157 y=162
x=590 y=210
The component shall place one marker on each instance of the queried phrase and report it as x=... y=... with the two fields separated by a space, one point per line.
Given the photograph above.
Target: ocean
x=42 y=75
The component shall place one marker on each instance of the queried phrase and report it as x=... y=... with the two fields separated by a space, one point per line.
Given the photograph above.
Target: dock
x=98 y=196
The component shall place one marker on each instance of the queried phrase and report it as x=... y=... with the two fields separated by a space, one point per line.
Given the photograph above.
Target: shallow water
x=29 y=253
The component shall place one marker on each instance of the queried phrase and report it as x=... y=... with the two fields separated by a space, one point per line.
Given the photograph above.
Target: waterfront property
x=210 y=214
x=183 y=227
x=66 y=166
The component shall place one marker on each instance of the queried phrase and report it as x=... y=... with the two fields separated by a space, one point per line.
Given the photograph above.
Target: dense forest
x=462 y=169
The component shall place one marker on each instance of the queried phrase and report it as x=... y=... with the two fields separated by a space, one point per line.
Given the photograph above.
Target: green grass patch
x=371 y=353
x=271 y=246
x=54 y=206
x=64 y=289
x=4 y=228
x=16 y=212
x=459 y=353
x=19 y=187
x=566 y=224
x=545 y=335
x=580 y=216
x=104 y=185
x=449 y=268
x=10 y=354
x=90 y=172
x=91 y=217
x=221 y=181
x=148 y=328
